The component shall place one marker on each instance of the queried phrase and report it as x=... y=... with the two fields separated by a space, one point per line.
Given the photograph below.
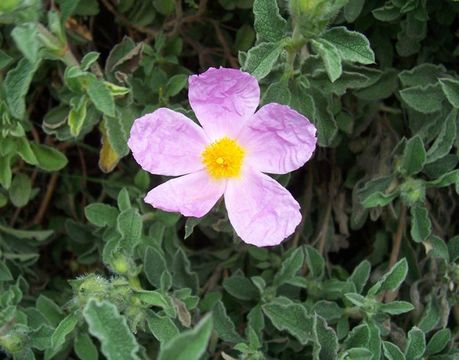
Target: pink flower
x=228 y=156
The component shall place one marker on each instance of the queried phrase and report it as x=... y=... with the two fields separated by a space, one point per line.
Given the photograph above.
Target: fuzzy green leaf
x=189 y=345
x=107 y=325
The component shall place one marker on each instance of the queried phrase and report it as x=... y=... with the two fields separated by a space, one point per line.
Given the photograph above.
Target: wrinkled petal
x=278 y=139
x=191 y=195
x=223 y=99
x=262 y=212
x=166 y=142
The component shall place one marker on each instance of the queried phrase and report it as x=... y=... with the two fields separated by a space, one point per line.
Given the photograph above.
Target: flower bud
x=13 y=342
x=413 y=191
x=9 y=5
x=303 y=7
x=93 y=286
x=122 y=265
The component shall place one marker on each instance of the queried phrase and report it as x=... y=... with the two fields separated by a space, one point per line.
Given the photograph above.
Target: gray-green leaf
x=111 y=328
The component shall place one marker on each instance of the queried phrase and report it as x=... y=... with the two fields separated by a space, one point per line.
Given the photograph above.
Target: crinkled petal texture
x=166 y=142
x=262 y=212
x=278 y=139
x=223 y=100
x=191 y=195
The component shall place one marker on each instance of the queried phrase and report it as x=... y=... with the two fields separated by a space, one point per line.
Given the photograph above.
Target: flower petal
x=191 y=195
x=166 y=142
x=278 y=139
x=262 y=212
x=223 y=99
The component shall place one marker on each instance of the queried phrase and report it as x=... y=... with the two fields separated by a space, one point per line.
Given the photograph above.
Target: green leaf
x=16 y=86
x=89 y=59
x=39 y=235
x=438 y=341
x=392 y=351
x=154 y=265
x=240 y=287
x=183 y=275
x=421 y=226
x=277 y=92
x=358 y=337
x=223 y=324
x=384 y=87
x=357 y=354
x=111 y=329
x=451 y=89
x=25 y=151
x=261 y=59
x=50 y=310
x=189 y=345
x=353 y=9
x=84 y=348
x=330 y=56
x=315 y=261
x=117 y=134
x=422 y=74
x=414 y=156
x=453 y=248
x=49 y=158
x=65 y=327
x=101 y=97
x=396 y=307
x=5 y=273
x=292 y=318
x=360 y=275
x=101 y=214
x=425 y=99
x=329 y=310
x=290 y=266
x=77 y=114
x=269 y=25
x=326 y=341
x=176 y=84
x=356 y=299
x=5 y=59
x=416 y=344
x=162 y=327
x=164 y=7
x=26 y=38
x=431 y=315
x=374 y=341
x=352 y=45
x=392 y=280
x=129 y=225
x=439 y=248
x=20 y=190
x=6 y=174
x=445 y=139
x=153 y=298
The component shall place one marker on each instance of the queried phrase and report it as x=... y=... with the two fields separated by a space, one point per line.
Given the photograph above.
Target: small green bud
x=121 y=292
x=13 y=343
x=303 y=7
x=93 y=286
x=413 y=191
x=122 y=265
x=8 y=5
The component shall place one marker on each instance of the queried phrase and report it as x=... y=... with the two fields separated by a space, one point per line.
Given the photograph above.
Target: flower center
x=223 y=158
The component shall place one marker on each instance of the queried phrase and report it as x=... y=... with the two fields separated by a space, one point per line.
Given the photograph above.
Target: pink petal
x=191 y=195
x=262 y=212
x=166 y=142
x=223 y=99
x=278 y=139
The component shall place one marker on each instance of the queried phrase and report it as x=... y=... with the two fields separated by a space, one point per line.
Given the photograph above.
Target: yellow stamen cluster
x=223 y=158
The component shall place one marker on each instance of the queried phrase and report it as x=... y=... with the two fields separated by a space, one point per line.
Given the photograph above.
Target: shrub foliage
x=89 y=271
